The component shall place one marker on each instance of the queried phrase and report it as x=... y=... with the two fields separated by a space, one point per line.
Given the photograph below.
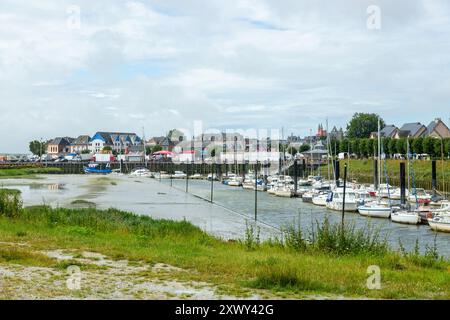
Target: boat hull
x=441 y=226
x=405 y=218
x=375 y=212
x=336 y=206
x=284 y=194
x=319 y=201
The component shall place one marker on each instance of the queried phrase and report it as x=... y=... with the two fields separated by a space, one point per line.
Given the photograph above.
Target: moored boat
x=335 y=200
x=375 y=209
x=406 y=217
x=440 y=223
x=95 y=168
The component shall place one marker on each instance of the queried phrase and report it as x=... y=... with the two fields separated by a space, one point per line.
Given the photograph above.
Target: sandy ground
x=90 y=275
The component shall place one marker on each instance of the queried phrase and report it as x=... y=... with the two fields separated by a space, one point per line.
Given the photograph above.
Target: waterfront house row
x=120 y=142
x=436 y=129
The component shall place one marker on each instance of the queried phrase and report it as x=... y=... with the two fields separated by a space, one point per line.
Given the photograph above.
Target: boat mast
x=310 y=151
x=143 y=146
x=379 y=154
x=328 y=151
x=407 y=159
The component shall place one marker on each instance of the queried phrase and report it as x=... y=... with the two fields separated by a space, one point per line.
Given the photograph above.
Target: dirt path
x=90 y=275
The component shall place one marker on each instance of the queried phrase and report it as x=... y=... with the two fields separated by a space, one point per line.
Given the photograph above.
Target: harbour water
x=227 y=218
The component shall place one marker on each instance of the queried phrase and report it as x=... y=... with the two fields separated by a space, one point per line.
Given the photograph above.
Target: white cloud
x=246 y=63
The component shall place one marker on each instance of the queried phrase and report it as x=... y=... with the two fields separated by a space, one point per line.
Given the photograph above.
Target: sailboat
x=378 y=209
x=440 y=223
x=408 y=216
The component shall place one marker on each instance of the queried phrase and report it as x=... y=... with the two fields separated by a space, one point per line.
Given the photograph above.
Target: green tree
x=85 y=151
x=304 y=147
x=107 y=149
x=371 y=147
x=363 y=124
x=156 y=148
x=148 y=150
x=363 y=150
x=38 y=148
x=335 y=146
x=437 y=147
x=447 y=147
x=428 y=145
x=354 y=147
x=392 y=146
x=416 y=145
x=292 y=150
x=401 y=146
x=344 y=145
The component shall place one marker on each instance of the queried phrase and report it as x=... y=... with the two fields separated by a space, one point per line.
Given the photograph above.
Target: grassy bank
x=332 y=264
x=26 y=172
x=362 y=170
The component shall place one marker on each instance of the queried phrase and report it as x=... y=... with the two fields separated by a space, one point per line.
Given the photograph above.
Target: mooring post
x=304 y=168
x=256 y=191
x=187 y=176
x=402 y=184
x=343 y=197
x=337 y=171
x=212 y=181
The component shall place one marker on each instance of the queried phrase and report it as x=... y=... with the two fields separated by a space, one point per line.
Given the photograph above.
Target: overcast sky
x=124 y=65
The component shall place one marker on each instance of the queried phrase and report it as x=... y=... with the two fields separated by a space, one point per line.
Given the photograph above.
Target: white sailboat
x=440 y=223
x=336 y=200
x=377 y=208
x=320 y=199
x=406 y=217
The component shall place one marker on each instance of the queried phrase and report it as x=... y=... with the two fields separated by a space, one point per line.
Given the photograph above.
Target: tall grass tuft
x=252 y=236
x=430 y=259
x=10 y=203
x=332 y=238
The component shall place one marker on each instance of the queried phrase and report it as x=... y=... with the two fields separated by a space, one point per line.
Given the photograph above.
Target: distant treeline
x=364 y=148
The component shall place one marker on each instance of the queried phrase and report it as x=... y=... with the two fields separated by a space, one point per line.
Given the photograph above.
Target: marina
x=233 y=206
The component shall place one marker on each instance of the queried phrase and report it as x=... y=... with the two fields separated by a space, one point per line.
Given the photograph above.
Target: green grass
x=362 y=170
x=31 y=172
x=288 y=270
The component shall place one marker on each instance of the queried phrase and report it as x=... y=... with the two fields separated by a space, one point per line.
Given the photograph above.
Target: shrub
x=10 y=203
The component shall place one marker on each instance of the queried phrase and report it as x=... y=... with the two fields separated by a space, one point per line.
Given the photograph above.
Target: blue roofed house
x=118 y=141
x=438 y=129
x=411 y=130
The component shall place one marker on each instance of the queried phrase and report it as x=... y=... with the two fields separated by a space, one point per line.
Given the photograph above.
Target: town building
x=80 y=144
x=438 y=129
x=59 y=146
x=118 y=141
x=336 y=134
x=411 y=130
x=389 y=131
x=317 y=153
